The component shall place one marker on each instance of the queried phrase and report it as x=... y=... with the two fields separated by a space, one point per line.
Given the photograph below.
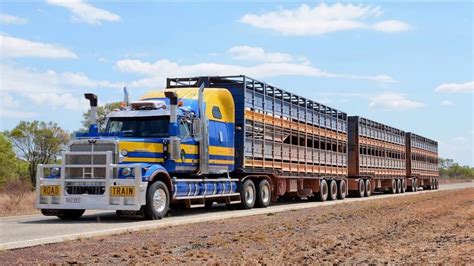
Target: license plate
x=122 y=191
x=50 y=190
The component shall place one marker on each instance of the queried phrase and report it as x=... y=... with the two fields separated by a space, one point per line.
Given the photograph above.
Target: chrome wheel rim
x=159 y=200
x=265 y=193
x=249 y=194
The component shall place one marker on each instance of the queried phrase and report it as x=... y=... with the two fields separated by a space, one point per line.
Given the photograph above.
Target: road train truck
x=202 y=140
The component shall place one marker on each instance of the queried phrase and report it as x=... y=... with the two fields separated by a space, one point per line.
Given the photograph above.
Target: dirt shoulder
x=423 y=228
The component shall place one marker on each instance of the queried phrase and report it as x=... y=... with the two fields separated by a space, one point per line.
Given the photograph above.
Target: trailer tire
x=415 y=186
x=264 y=194
x=360 y=192
x=323 y=191
x=399 y=186
x=342 y=190
x=404 y=185
x=157 y=201
x=368 y=188
x=247 y=195
x=393 y=189
x=437 y=183
x=332 y=192
x=70 y=214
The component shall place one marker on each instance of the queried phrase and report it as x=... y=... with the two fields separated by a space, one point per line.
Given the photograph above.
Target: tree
x=11 y=168
x=37 y=143
x=102 y=112
x=449 y=169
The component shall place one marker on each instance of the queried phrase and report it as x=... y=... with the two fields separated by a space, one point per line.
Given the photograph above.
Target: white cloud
x=447 y=103
x=322 y=19
x=12 y=47
x=249 y=53
x=456 y=87
x=47 y=87
x=393 y=101
x=391 y=26
x=84 y=12
x=10 y=19
x=11 y=107
x=159 y=70
x=62 y=100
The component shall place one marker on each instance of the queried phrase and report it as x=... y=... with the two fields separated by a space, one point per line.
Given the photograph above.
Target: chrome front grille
x=92 y=164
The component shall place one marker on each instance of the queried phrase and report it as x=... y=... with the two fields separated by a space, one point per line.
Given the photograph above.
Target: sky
x=407 y=65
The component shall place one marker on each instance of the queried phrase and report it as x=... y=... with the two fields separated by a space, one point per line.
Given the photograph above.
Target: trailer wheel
x=393 y=189
x=247 y=194
x=332 y=195
x=415 y=186
x=70 y=214
x=368 y=188
x=361 y=190
x=323 y=191
x=264 y=194
x=404 y=185
x=399 y=186
x=437 y=183
x=341 y=190
x=157 y=201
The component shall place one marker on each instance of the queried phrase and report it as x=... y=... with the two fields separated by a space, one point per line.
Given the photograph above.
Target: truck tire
x=342 y=189
x=415 y=187
x=248 y=195
x=360 y=192
x=157 y=201
x=70 y=214
x=323 y=191
x=264 y=194
x=437 y=183
x=404 y=185
x=368 y=188
x=393 y=189
x=332 y=192
x=399 y=186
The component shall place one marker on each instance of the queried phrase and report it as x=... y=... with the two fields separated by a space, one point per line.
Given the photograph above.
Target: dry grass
x=17 y=206
x=453 y=180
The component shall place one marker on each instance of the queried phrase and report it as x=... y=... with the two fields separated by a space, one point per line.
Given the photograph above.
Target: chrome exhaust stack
x=93 y=128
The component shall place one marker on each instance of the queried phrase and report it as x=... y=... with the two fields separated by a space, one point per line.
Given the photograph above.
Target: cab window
x=216 y=112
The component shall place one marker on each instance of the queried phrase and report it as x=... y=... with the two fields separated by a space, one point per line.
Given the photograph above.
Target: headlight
x=126 y=171
x=124 y=152
x=55 y=171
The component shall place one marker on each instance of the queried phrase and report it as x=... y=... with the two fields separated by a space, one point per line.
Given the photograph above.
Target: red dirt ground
x=424 y=228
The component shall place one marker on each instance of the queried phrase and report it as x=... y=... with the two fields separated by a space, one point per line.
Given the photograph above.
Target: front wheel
x=70 y=214
x=157 y=201
x=264 y=194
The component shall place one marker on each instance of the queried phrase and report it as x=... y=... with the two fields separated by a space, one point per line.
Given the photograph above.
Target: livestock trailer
x=376 y=157
x=422 y=161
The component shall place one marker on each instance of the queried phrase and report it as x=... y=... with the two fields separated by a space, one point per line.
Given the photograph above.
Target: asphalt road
x=31 y=230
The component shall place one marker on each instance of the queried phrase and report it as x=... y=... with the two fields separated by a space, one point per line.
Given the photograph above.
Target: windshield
x=139 y=126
